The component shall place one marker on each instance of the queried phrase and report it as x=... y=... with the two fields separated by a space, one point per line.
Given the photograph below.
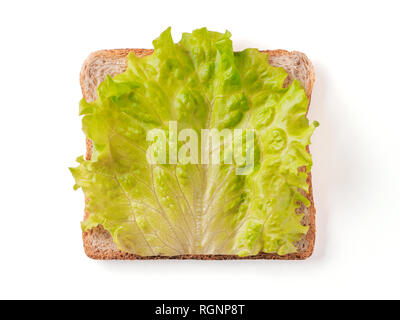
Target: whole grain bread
x=98 y=243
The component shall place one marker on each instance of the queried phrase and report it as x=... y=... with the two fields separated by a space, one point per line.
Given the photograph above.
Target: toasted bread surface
x=98 y=243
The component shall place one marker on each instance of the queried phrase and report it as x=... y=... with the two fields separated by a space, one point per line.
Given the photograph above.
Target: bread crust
x=98 y=243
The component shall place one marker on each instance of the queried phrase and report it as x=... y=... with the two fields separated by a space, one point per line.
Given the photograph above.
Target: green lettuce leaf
x=166 y=209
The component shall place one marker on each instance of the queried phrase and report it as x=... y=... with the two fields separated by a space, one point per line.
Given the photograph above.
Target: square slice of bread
x=98 y=243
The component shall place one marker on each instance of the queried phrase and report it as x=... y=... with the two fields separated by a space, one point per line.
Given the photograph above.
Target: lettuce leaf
x=166 y=209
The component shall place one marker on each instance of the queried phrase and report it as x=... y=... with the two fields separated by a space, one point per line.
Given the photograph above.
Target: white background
x=355 y=50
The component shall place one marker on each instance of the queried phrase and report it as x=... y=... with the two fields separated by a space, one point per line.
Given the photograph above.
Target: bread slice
x=98 y=243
